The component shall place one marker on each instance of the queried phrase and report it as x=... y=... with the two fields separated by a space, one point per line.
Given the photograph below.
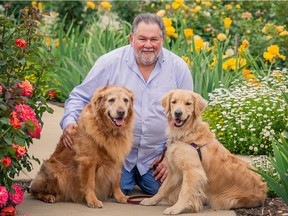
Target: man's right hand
x=67 y=132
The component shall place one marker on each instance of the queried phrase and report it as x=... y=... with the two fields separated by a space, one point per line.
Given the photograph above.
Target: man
x=150 y=71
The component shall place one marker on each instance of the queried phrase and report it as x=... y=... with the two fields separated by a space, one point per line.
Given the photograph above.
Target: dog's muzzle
x=119 y=119
x=177 y=121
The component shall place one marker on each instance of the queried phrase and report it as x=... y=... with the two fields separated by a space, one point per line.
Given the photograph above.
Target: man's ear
x=166 y=101
x=199 y=103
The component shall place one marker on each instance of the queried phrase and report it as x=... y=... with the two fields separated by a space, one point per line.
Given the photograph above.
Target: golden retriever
x=91 y=171
x=200 y=169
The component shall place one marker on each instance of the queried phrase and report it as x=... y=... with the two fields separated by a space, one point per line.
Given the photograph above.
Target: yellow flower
x=106 y=5
x=33 y=3
x=268 y=37
x=91 y=5
x=48 y=41
x=40 y=6
x=228 y=6
x=264 y=29
x=245 y=43
x=188 y=33
x=57 y=43
x=199 y=43
x=227 y=22
x=170 y=31
x=279 y=28
x=167 y=22
x=238 y=6
x=207 y=3
x=273 y=49
x=167 y=6
x=221 y=37
x=229 y=52
x=246 y=72
x=177 y=3
x=196 y=9
x=283 y=33
x=282 y=57
x=161 y=13
x=268 y=56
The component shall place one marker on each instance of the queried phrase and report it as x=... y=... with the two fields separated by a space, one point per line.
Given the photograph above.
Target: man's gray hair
x=149 y=18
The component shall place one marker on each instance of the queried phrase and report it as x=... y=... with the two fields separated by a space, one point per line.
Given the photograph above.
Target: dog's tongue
x=175 y=122
x=119 y=121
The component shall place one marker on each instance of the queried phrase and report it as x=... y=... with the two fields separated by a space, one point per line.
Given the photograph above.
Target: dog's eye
x=188 y=104
x=126 y=100
x=173 y=102
x=112 y=100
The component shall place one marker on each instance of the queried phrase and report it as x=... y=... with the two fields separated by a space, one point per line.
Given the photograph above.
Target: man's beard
x=147 y=60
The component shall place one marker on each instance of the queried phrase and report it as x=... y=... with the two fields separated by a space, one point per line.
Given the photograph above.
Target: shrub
x=22 y=104
x=246 y=116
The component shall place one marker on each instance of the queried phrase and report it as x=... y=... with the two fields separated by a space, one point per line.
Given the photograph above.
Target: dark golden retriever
x=91 y=171
x=200 y=168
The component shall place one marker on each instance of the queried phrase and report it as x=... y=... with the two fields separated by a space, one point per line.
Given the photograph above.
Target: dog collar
x=198 y=149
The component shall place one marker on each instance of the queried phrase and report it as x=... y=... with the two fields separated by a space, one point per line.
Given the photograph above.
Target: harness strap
x=198 y=149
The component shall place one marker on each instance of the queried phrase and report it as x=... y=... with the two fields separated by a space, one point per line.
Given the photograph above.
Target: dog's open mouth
x=178 y=122
x=117 y=121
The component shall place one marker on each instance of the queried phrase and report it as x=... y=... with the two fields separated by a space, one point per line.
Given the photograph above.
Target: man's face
x=147 y=43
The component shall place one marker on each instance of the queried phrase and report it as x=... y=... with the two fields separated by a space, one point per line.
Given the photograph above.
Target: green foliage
x=279 y=161
x=22 y=104
x=246 y=116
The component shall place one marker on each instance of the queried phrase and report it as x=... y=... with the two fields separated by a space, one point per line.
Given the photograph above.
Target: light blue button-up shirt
x=119 y=67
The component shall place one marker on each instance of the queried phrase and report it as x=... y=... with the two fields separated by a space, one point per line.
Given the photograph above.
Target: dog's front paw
x=95 y=204
x=122 y=199
x=49 y=198
x=148 y=202
x=172 y=211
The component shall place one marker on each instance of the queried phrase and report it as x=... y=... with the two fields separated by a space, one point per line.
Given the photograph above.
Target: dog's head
x=113 y=105
x=182 y=107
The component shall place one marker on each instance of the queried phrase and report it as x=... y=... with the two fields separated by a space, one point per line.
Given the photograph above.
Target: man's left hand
x=160 y=172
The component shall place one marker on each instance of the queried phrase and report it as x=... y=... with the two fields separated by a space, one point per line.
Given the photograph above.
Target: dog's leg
x=191 y=194
x=164 y=190
x=117 y=192
x=87 y=181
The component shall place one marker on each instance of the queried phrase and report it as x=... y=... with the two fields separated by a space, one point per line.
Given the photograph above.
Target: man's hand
x=67 y=132
x=160 y=169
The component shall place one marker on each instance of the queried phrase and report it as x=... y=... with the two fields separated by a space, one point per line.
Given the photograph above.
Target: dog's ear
x=200 y=104
x=165 y=101
x=131 y=96
x=98 y=96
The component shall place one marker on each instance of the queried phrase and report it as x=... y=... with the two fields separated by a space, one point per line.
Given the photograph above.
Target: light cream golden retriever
x=200 y=169
x=91 y=171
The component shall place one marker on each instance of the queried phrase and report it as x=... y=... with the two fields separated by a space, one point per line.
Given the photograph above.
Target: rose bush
x=25 y=66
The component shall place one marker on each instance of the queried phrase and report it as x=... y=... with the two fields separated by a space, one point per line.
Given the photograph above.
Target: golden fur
x=221 y=179
x=91 y=171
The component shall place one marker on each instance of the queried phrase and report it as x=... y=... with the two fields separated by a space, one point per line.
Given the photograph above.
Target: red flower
x=26 y=88
x=20 y=43
x=1 y=89
x=17 y=197
x=6 y=161
x=8 y=211
x=15 y=122
x=25 y=112
x=37 y=129
x=51 y=94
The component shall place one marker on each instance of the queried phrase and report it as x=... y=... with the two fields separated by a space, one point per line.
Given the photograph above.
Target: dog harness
x=198 y=149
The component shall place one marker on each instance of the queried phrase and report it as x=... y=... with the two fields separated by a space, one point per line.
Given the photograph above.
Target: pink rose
x=17 y=197
x=3 y=196
x=6 y=161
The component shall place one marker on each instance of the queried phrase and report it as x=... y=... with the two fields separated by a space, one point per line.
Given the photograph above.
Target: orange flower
x=20 y=43
x=26 y=88
x=8 y=211
x=20 y=150
x=15 y=122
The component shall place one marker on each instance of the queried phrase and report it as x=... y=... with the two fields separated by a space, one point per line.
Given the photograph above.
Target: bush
x=23 y=71
x=246 y=116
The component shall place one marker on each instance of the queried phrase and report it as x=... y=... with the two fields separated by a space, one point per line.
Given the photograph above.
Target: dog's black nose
x=178 y=113
x=121 y=113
